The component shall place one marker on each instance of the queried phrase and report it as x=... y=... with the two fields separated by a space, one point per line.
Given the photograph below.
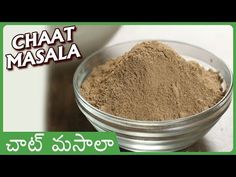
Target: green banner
x=59 y=143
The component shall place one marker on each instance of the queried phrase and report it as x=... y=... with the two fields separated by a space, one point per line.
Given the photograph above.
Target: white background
x=25 y=90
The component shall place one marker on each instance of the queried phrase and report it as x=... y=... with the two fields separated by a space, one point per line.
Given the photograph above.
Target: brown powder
x=152 y=82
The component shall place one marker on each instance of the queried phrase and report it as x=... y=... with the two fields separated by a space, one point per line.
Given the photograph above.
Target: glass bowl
x=171 y=135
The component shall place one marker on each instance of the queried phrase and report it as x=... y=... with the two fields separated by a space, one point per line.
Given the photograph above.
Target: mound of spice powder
x=152 y=82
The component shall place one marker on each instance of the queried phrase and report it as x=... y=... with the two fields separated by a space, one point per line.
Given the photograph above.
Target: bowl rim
x=124 y=120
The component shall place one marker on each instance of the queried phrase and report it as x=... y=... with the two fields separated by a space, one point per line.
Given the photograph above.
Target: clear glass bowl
x=169 y=135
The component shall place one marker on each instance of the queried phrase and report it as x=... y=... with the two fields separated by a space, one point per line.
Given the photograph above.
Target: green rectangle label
x=59 y=143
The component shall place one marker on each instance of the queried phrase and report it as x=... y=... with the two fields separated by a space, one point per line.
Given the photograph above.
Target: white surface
x=24 y=90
